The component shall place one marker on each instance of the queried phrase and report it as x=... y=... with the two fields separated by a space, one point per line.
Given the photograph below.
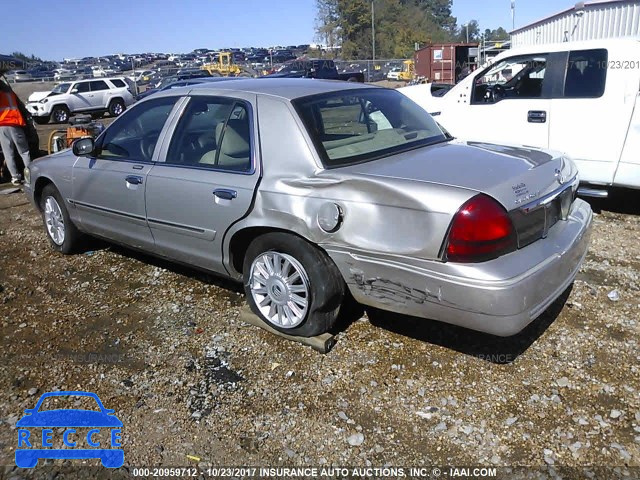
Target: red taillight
x=481 y=230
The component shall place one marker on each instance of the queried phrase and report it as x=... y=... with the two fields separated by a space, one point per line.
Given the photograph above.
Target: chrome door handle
x=225 y=193
x=134 y=180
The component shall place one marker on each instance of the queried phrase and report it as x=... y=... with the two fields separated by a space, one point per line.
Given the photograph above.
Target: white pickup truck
x=580 y=98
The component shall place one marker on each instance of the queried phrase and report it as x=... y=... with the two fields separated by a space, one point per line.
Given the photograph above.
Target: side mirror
x=83 y=147
x=29 y=411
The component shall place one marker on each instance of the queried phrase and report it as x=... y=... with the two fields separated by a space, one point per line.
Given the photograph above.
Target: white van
x=580 y=98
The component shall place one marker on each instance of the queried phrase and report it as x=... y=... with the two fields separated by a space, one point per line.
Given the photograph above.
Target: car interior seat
x=233 y=145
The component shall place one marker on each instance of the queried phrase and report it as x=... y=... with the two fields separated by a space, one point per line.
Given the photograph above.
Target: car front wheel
x=60 y=114
x=291 y=285
x=62 y=233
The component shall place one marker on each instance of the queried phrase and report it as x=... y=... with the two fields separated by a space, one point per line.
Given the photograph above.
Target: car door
x=592 y=114
x=205 y=180
x=109 y=188
x=97 y=95
x=78 y=99
x=509 y=102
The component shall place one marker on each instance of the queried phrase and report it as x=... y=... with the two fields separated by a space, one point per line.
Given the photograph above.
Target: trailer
x=445 y=62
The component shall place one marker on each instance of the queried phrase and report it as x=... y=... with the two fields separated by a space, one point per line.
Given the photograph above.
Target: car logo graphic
x=559 y=176
x=36 y=429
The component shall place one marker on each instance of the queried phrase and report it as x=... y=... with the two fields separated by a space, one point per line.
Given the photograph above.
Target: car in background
x=187 y=73
x=394 y=74
x=95 y=96
x=18 y=76
x=546 y=96
x=307 y=190
x=315 y=68
x=142 y=77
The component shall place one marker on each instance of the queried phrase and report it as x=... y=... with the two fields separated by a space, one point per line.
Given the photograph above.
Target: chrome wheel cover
x=54 y=220
x=280 y=289
x=117 y=109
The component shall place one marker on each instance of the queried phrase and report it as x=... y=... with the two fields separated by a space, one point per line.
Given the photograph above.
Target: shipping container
x=445 y=62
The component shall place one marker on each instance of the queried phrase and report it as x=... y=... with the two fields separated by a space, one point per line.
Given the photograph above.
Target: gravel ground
x=193 y=385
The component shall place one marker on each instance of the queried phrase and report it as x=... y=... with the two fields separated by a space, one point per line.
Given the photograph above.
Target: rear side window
x=98 y=85
x=213 y=133
x=118 y=83
x=586 y=74
x=355 y=126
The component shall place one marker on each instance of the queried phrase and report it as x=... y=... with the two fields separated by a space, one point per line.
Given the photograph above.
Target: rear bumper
x=500 y=297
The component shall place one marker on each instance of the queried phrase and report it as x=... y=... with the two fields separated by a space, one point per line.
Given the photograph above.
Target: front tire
x=60 y=114
x=291 y=285
x=61 y=232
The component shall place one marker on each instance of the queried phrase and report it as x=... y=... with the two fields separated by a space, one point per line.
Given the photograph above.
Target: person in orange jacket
x=12 y=135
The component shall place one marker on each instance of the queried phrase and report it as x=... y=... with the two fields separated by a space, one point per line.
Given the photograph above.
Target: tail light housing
x=481 y=230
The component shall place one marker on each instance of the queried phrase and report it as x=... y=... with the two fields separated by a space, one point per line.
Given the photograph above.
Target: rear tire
x=116 y=107
x=61 y=232
x=292 y=285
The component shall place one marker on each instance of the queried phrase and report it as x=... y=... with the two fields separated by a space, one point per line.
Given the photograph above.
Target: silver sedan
x=308 y=191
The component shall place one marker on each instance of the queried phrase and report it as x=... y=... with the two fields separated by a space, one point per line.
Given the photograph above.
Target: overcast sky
x=60 y=29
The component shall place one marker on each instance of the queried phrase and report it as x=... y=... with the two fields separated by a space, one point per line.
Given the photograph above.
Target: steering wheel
x=148 y=144
x=494 y=93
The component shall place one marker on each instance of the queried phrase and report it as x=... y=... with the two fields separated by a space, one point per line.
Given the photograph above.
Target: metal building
x=585 y=21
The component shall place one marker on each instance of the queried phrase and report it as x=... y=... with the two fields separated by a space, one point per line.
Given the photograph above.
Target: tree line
x=399 y=25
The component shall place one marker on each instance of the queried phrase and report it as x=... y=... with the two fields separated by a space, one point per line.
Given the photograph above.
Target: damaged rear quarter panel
x=389 y=216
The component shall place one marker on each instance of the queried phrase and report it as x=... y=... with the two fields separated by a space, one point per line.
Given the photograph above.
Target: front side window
x=355 y=126
x=512 y=78
x=135 y=134
x=61 y=88
x=213 y=133
x=82 y=87
x=586 y=74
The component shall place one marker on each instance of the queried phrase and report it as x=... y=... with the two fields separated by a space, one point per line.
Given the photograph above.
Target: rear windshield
x=355 y=126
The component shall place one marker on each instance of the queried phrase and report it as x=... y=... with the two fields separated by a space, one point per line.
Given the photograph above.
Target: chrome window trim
x=175 y=120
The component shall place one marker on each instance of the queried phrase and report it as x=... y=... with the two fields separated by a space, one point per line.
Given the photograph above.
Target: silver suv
x=95 y=96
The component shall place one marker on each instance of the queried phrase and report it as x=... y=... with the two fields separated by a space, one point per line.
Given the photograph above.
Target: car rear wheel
x=116 y=107
x=291 y=285
x=62 y=233
x=60 y=114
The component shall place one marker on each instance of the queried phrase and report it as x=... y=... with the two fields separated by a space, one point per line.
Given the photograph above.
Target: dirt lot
x=194 y=386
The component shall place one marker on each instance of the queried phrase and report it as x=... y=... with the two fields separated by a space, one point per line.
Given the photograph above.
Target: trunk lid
x=513 y=175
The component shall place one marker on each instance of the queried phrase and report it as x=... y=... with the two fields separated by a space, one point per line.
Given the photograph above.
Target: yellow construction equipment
x=408 y=71
x=225 y=67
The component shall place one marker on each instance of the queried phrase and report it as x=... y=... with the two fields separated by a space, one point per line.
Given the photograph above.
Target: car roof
x=287 y=88
x=612 y=43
